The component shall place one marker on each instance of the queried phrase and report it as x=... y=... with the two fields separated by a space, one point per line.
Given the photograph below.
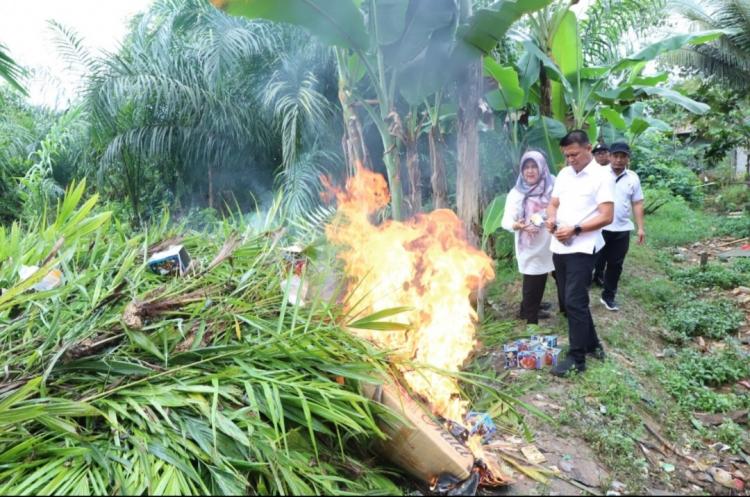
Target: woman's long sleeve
x=510 y=212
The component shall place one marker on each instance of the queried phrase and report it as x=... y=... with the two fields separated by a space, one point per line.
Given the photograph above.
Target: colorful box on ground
x=174 y=260
x=535 y=352
x=511 y=356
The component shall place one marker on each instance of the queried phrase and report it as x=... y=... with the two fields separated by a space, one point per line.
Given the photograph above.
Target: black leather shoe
x=598 y=354
x=545 y=306
x=544 y=315
x=566 y=366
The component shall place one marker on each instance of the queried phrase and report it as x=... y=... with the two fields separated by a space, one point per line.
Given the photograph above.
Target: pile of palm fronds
x=218 y=386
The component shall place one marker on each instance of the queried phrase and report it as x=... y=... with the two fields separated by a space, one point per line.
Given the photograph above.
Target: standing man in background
x=628 y=194
x=601 y=154
x=582 y=204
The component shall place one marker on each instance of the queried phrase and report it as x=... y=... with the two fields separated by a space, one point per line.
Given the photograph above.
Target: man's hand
x=641 y=236
x=551 y=222
x=564 y=233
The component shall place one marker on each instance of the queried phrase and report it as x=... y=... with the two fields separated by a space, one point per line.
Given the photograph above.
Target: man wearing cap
x=601 y=154
x=628 y=196
x=582 y=203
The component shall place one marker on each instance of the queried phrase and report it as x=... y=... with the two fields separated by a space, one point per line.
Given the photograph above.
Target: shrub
x=711 y=318
x=662 y=165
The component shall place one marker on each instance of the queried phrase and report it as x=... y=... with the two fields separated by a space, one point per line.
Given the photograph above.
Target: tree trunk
x=353 y=141
x=467 y=174
x=393 y=167
x=437 y=164
x=545 y=97
x=415 y=175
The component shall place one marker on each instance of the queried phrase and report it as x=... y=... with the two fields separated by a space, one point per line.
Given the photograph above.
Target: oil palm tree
x=10 y=71
x=728 y=58
x=189 y=95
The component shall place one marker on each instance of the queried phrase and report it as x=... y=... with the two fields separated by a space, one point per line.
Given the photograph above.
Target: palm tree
x=189 y=99
x=609 y=22
x=728 y=58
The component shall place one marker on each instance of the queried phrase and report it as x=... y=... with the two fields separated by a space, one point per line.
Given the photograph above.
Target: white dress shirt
x=580 y=195
x=627 y=191
x=535 y=259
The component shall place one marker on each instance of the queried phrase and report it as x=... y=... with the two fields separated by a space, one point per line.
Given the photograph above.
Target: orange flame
x=424 y=263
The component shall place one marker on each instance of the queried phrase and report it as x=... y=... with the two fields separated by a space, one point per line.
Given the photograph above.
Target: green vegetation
x=717 y=318
x=693 y=375
x=712 y=275
x=186 y=388
x=676 y=224
x=215 y=126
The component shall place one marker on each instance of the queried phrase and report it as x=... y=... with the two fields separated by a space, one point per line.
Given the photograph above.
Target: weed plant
x=711 y=276
x=693 y=376
x=710 y=318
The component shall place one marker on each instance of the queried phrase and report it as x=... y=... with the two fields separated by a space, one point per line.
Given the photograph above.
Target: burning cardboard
x=419 y=445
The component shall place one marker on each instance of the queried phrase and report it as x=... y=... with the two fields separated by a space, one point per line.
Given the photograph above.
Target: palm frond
x=10 y=71
x=609 y=22
x=727 y=59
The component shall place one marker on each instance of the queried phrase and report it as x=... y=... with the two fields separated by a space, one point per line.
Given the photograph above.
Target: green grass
x=604 y=410
x=677 y=224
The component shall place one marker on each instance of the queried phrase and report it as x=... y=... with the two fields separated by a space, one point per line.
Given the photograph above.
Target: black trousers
x=610 y=259
x=533 y=291
x=573 y=276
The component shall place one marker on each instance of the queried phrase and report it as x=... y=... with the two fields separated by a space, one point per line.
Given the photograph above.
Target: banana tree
x=578 y=91
x=407 y=49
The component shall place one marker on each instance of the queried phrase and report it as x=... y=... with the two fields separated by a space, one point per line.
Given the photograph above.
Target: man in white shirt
x=628 y=194
x=582 y=204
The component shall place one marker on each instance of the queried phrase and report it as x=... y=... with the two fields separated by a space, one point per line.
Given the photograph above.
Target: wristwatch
x=577 y=229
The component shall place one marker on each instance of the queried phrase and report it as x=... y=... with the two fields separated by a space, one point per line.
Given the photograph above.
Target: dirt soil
x=677 y=464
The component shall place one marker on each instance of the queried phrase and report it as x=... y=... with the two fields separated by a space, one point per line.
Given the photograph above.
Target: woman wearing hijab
x=525 y=209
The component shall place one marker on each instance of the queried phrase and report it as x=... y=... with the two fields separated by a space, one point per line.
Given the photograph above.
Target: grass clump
x=711 y=318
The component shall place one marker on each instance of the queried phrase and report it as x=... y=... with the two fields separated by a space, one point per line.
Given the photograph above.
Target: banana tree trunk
x=353 y=141
x=393 y=168
x=467 y=175
x=545 y=93
x=437 y=166
x=413 y=170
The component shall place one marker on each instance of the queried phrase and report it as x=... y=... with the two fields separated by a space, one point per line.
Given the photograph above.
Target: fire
x=425 y=264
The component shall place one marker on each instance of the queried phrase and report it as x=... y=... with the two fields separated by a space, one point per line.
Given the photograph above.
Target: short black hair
x=577 y=136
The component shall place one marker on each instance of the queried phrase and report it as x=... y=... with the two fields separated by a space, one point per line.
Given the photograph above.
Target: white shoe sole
x=613 y=309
